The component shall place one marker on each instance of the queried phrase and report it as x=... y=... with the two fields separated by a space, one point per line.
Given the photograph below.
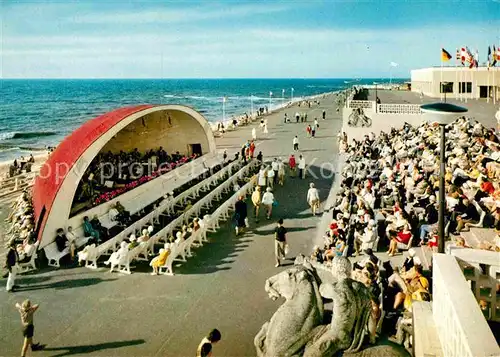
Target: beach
x=225 y=279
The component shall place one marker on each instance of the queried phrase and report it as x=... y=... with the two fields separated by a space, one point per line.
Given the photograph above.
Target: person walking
x=297 y=116
x=206 y=344
x=324 y=114
x=27 y=310
x=256 y=200
x=262 y=178
x=240 y=215
x=271 y=178
x=268 y=202
x=313 y=198
x=313 y=131
x=254 y=134
x=293 y=165
x=316 y=124
x=295 y=143
x=11 y=263
x=302 y=167
x=265 y=127
x=275 y=167
x=308 y=130
x=285 y=118
x=252 y=149
x=279 y=242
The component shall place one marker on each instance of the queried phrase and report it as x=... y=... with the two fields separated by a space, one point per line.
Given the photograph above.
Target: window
x=446 y=87
x=465 y=87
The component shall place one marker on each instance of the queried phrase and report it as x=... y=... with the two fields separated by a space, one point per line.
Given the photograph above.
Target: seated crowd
x=389 y=193
x=110 y=170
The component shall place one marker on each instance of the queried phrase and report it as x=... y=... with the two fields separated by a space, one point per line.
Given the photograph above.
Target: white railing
x=399 y=109
x=365 y=104
x=462 y=329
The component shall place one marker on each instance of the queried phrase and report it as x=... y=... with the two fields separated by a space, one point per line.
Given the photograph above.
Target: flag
x=498 y=54
x=489 y=54
x=224 y=99
x=445 y=55
x=494 y=56
x=394 y=64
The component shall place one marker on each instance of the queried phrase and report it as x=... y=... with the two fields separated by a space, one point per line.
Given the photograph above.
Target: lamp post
x=282 y=97
x=443 y=114
x=376 y=96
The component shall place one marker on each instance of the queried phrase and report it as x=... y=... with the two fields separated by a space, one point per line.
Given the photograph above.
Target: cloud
x=179 y=15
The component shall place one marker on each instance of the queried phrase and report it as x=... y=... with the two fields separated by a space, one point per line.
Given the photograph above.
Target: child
x=27 y=311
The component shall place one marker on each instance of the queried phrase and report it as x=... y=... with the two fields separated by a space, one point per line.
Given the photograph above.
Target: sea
x=39 y=113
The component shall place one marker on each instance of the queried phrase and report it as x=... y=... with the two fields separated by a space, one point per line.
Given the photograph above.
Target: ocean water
x=35 y=113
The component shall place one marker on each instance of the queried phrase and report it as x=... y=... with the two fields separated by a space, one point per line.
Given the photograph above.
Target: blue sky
x=237 y=39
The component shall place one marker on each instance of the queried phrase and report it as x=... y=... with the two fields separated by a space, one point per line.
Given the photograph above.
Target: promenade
x=95 y=313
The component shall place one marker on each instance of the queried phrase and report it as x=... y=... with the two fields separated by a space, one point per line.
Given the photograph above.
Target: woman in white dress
x=281 y=172
x=265 y=127
x=267 y=201
x=313 y=198
x=261 y=181
x=254 y=134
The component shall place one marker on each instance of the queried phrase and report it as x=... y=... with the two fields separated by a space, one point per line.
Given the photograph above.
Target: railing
x=399 y=109
x=365 y=104
x=462 y=329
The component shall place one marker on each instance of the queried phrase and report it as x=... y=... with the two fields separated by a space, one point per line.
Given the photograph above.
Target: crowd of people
x=388 y=198
x=108 y=170
x=20 y=165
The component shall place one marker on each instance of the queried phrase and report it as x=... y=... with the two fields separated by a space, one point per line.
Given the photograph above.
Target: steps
x=477 y=235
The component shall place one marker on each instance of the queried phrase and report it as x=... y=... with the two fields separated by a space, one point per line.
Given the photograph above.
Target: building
x=457 y=82
x=176 y=128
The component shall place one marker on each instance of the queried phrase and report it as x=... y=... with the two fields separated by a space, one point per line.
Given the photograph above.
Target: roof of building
x=64 y=157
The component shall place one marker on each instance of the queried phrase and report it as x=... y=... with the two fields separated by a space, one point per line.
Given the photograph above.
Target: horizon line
x=200 y=78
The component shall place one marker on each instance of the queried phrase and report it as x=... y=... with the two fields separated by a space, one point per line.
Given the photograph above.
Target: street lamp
x=443 y=114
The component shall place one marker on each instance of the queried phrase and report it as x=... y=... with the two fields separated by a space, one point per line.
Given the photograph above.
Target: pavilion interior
x=176 y=132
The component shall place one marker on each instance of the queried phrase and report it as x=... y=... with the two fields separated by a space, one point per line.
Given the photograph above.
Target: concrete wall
x=380 y=122
x=153 y=130
x=427 y=80
x=461 y=327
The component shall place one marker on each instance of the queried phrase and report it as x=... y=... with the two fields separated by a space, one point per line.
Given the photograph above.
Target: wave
x=26 y=135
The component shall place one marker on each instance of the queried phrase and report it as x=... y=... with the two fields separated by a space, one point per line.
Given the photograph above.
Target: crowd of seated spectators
x=109 y=170
x=388 y=199
x=22 y=226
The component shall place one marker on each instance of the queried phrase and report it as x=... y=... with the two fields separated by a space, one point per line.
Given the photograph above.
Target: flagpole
x=282 y=97
x=223 y=109
x=456 y=78
x=251 y=104
x=441 y=89
x=270 y=95
x=292 y=94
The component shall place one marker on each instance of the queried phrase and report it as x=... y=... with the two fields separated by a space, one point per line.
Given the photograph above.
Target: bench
x=425 y=336
x=30 y=264
x=124 y=262
x=54 y=255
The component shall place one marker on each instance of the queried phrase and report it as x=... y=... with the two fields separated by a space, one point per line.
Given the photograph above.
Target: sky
x=238 y=39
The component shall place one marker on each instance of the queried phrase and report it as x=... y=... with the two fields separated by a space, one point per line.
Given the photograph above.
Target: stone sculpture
x=289 y=328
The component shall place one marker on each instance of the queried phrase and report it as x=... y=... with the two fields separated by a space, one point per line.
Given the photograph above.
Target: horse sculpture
x=288 y=331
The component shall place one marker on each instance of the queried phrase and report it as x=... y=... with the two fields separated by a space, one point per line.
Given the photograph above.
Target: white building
x=457 y=82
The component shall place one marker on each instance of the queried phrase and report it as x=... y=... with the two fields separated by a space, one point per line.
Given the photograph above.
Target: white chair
x=54 y=255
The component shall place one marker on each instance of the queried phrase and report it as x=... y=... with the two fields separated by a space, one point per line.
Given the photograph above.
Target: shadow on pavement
x=66 y=284
x=74 y=350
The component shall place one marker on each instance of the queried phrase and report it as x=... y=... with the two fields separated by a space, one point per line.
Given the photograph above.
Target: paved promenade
x=95 y=313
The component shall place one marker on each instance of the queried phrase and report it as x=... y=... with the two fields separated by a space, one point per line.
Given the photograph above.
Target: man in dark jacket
x=11 y=265
x=240 y=214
